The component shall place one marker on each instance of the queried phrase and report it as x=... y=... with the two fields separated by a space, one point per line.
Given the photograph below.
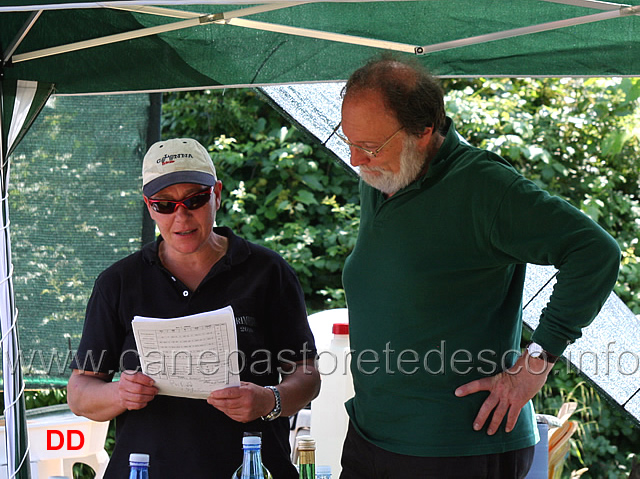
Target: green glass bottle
x=306 y=457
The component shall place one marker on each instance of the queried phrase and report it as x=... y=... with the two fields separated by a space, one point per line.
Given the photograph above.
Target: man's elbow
x=73 y=394
x=606 y=256
x=81 y=388
x=316 y=382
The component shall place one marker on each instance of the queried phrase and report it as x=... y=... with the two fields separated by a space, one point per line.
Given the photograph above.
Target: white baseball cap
x=180 y=160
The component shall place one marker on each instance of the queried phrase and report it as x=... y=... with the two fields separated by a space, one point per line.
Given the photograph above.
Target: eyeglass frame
x=152 y=201
x=367 y=151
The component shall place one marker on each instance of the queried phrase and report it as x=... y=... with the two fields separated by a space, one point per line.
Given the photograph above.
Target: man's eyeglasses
x=192 y=202
x=367 y=151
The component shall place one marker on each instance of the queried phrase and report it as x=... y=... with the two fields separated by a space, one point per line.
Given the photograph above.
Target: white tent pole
x=220 y=18
x=20 y=36
x=231 y=18
x=192 y=20
x=321 y=35
x=143 y=32
x=158 y=11
x=78 y=5
x=437 y=47
x=243 y=12
x=595 y=4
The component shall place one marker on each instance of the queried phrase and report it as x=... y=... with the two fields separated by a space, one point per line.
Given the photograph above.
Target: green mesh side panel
x=75 y=208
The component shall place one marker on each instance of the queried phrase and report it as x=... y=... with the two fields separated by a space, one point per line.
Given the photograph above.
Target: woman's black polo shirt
x=188 y=437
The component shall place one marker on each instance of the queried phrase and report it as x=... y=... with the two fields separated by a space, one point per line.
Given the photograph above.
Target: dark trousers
x=363 y=460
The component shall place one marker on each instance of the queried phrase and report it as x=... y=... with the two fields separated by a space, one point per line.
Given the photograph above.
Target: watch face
x=534 y=350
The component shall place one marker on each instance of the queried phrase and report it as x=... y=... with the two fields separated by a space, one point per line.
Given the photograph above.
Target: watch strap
x=275 y=413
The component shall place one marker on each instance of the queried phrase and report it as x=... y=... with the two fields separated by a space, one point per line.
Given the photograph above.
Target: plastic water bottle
x=329 y=419
x=306 y=457
x=252 y=467
x=138 y=466
x=323 y=472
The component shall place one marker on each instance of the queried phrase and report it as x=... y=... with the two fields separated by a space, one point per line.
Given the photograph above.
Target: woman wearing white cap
x=191 y=268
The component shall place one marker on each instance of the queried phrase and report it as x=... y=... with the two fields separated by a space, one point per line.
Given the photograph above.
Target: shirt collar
x=237 y=252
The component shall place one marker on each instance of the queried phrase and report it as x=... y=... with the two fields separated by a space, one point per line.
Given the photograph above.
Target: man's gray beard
x=411 y=165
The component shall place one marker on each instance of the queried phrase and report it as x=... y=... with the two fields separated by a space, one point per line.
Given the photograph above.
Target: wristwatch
x=537 y=351
x=275 y=413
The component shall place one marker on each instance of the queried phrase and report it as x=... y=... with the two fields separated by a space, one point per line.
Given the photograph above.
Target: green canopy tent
x=126 y=46
x=86 y=47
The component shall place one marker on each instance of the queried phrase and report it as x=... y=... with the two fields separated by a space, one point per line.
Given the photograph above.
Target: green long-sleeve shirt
x=434 y=290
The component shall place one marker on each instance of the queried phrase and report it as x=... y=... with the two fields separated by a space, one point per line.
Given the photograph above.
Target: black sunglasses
x=193 y=202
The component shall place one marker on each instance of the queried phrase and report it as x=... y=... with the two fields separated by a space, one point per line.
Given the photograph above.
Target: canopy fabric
x=28 y=99
x=208 y=43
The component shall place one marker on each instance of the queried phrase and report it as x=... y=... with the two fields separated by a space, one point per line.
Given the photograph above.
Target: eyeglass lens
x=192 y=202
x=371 y=153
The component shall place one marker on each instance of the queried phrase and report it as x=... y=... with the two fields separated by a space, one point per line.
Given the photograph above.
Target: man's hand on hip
x=509 y=391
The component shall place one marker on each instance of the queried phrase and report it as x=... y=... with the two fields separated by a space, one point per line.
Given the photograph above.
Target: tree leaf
x=306 y=197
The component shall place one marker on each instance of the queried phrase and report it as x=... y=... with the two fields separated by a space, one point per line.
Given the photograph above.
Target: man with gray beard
x=434 y=287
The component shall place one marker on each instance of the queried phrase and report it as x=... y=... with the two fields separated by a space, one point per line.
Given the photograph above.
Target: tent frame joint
x=211 y=18
x=630 y=11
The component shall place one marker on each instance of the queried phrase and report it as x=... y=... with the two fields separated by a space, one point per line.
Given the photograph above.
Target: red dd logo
x=56 y=440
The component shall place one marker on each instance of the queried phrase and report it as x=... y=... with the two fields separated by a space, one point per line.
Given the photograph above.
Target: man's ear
x=424 y=139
